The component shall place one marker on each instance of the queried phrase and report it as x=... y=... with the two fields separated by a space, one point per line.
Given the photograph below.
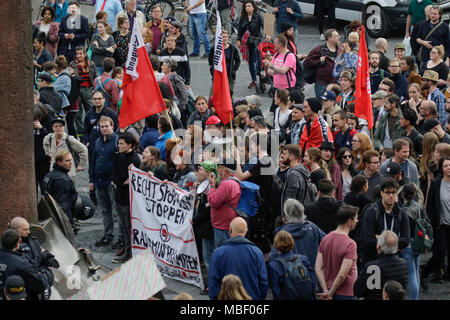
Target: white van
x=379 y=16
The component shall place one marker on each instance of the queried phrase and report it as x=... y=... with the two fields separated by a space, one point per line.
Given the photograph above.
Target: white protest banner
x=161 y=216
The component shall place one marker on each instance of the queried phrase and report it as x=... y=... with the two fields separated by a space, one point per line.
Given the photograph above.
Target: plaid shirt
x=439 y=98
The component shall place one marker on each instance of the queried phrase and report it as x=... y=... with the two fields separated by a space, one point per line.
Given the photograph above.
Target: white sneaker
x=322 y=37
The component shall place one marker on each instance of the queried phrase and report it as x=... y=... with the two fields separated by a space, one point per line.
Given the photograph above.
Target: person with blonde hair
x=284 y=245
x=232 y=289
x=360 y=144
x=427 y=161
x=183 y=296
x=318 y=167
x=437 y=63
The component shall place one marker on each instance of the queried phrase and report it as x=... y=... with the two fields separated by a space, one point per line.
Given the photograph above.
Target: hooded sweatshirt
x=323 y=213
x=307 y=237
x=295 y=184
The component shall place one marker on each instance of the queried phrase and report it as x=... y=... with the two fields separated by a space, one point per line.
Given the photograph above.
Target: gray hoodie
x=295 y=184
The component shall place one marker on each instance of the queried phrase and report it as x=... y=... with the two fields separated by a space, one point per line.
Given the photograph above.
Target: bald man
x=31 y=249
x=241 y=257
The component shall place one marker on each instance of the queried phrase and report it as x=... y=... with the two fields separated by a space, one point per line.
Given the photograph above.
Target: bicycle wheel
x=167 y=7
x=212 y=23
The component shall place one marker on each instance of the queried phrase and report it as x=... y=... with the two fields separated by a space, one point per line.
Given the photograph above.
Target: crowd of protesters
x=340 y=197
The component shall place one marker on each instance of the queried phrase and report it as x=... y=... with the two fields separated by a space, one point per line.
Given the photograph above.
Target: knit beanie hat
x=285 y=26
x=314 y=104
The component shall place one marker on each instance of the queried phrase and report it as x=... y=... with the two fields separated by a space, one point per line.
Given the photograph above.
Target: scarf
x=244 y=47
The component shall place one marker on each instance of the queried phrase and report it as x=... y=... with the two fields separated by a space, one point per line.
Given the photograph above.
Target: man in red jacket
x=316 y=129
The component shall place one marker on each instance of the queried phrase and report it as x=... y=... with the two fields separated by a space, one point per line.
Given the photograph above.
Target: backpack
x=101 y=85
x=310 y=192
x=296 y=280
x=249 y=201
x=310 y=73
x=75 y=86
x=422 y=239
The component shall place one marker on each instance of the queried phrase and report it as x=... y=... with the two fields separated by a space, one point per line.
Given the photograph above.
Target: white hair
x=254 y=99
x=294 y=211
x=388 y=242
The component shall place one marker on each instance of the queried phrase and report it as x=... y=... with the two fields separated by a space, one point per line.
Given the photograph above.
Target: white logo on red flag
x=136 y=42
x=218 y=52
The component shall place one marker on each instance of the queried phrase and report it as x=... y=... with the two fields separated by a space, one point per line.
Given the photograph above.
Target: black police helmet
x=84 y=208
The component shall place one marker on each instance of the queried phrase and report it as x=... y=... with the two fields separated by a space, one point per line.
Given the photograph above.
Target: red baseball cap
x=213 y=120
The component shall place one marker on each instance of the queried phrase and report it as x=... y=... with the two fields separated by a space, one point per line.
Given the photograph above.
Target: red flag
x=363 y=100
x=141 y=94
x=221 y=90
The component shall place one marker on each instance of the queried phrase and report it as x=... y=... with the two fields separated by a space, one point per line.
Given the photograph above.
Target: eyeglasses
x=375 y=162
x=347 y=156
x=354 y=140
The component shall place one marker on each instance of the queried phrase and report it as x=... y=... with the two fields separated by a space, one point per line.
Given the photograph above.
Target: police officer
x=31 y=249
x=59 y=185
x=12 y=263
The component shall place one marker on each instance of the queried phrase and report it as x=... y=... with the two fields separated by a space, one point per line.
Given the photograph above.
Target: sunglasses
x=347 y=157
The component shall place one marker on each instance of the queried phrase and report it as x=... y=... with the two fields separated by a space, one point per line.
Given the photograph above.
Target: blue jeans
x=220 y=236
x=99 y=70
x=413 y=272
x=106 y=205
x=319 y=89
x=343 y=298
x=198 y=27
x=254 y=64
x=208 y=247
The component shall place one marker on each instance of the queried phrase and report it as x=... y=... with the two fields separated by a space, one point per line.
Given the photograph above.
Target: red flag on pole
x=363 y=100
x=141 y=94
x=221 y=90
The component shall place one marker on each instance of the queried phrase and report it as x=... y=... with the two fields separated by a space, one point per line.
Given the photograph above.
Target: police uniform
x=12 y=263
x=59 y=185
x=40 y=260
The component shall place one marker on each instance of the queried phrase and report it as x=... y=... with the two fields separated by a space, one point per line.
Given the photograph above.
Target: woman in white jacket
x=59 y=140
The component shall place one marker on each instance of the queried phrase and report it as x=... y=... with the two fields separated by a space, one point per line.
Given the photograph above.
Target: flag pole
x=171 y=126
x=232 y=131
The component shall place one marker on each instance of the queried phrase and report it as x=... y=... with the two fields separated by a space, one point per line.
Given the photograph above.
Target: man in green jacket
x=389 y=128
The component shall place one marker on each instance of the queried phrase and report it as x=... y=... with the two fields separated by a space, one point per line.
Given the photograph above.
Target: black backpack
x=310 y=73
x=75 y=86
x=296 y=281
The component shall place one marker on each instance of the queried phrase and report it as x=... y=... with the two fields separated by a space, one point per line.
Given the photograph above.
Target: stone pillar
x=17 y=180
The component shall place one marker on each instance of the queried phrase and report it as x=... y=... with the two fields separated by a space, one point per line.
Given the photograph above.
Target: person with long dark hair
x=344 y=158
x=50 y=28
x=249 y=34
x=85 y=68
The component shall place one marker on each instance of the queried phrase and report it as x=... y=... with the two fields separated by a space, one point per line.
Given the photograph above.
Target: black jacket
x=255 y=26
x=391 y=268
x=416 y=138
x=59 y=185
x=232 y=61
x=202 y=221
x=434 y=202
x=373 y=224
x=323 y=213
x=91 y=129
x=67 y=47
x=41 y=160
x=12 y=263
x=48 y=95
x=120 y=174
